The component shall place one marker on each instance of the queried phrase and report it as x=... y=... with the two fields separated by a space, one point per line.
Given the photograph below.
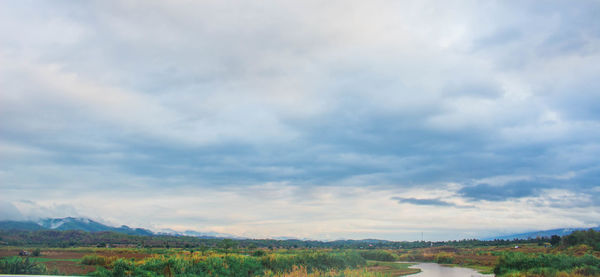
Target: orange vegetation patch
x=55 y=254
x=75 y=267
x=136 y=256
x=67 y=254
x=69 y=267
x=448 y=249
x=8 y=253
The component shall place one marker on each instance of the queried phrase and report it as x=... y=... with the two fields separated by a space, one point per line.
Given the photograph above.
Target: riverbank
x=392 y=268
x=438 y=270
x=479 y=268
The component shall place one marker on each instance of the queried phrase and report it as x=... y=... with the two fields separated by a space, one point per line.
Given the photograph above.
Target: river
x=436 y=270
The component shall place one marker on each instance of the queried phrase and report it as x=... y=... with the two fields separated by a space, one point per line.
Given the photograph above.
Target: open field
x=265 y=262
x=170 y=262
x=569 y=258
x=68 y=261
x=83 y=261
x=538 y=260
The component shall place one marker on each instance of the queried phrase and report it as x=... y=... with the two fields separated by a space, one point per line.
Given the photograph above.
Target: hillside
x=71 y=223
x=20 y=225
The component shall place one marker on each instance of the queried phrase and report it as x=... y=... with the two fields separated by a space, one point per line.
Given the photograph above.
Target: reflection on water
x=436 y=270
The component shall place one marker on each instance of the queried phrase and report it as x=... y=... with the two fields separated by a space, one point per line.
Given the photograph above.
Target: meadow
x=577 y=254
x=574 y=255
x=190 y=262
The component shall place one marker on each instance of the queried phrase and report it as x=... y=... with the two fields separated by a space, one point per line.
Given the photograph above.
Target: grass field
x=526 y=260
x=392 y=268
x=301 y=262
x=289 y=263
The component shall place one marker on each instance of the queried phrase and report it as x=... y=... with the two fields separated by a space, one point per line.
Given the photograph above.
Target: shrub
x=379 y=255
x=259 y=253
x=547 y=264
x=122 y=267
x=444 y=258
x=93 y=260
x=18 y=265
x=228 y=265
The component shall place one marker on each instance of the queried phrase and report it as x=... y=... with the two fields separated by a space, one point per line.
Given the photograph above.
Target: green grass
x=394 y=268
x=479 y=268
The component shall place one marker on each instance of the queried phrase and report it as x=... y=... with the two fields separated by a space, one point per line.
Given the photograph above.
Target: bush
x=36 y=252
x=122 y=267
x=379 y=255
x=444 y=258
x=229 y=265
x=18 y=265
x=93 y=260
x=547 y=264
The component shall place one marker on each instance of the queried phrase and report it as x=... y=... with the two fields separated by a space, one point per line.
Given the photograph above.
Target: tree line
x=72 y=238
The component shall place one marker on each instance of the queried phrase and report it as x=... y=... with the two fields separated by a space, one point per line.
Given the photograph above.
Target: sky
x=308 y=119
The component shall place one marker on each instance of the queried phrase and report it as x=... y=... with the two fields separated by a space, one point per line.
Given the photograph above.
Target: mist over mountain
x=544 y=233
x=71 y=223
x=20 y=225
x=192 y=233
x=88 y=225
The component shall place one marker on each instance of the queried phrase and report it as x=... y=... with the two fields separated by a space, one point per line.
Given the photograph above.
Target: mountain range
x=190 y=233
x=545 y=233
x=88 y=225
x=71 y=223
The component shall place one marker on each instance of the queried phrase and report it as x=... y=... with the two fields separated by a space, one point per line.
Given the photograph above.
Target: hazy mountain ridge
x=71 y=223
x=88 y=225
x=192 y=233
x=543 y=233
x=20 y=225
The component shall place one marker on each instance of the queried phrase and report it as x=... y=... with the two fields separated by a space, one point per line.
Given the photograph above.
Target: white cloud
x=341 y=105
x=271 y=209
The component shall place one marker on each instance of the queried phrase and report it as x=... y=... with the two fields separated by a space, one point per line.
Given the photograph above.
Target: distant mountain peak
x=89 y=225
x=198 y=234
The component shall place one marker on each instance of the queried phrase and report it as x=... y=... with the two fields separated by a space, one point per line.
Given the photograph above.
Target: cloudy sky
x=311 y=119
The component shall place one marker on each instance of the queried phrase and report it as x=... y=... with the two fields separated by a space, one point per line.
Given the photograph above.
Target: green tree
x=202 y=248
x=554 y=240
x=227 y=244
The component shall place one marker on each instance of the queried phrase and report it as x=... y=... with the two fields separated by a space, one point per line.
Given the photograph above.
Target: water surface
x=436 y=270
